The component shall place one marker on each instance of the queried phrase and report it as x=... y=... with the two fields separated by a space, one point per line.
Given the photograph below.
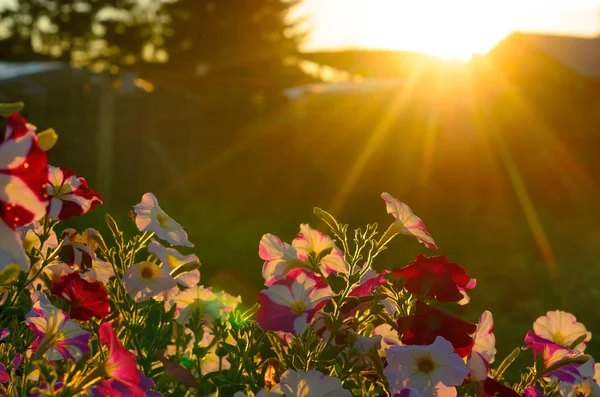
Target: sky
x=447 y=28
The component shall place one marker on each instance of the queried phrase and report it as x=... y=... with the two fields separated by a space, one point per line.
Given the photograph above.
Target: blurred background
x=241 y=115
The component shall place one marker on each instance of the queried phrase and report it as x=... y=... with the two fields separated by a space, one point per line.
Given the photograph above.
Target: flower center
x=147 y=271
x=162 y=219
x=298 y=307
x=425 y=365
x=59 y=191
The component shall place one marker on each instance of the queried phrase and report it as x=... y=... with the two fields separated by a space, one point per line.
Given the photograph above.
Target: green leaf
x=327 y=218
x=507 y=362
x=578 y=341
x=10 y=274
x=582 y=359
x=114 y=228
x=6 y=109
x=188 y=267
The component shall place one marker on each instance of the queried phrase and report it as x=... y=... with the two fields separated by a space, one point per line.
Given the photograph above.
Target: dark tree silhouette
x=187 y=36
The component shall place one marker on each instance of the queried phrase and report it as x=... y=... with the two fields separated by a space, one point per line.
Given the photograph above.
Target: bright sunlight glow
x=449 y=29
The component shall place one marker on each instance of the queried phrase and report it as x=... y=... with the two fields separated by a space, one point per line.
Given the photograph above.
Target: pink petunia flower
x=289 y=305
x=58 y=337
x=120 y=364
x=484 y=349
x=69 y=195
x=114 y=388
x=279 y=258
x=407 y=222
x=311 y=241
x=432 y=370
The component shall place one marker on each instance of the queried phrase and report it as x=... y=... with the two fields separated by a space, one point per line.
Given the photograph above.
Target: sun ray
x=379 y=132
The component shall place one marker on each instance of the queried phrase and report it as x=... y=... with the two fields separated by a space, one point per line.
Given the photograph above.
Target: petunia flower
x=199 y=301
x=151 y=218
x=289 y=305
x=432 y=370
x=30 y=235
x=114 y=388
x=407 y=222
x=4 y=376
x=58 y=337
x=588 y=386
x=23 y=174
x=279 y=258
x=532 y=391
x=368 y=283
x=120 y=364
x=552 y=353
x=562 y=328
x=484 y=349
x=408 y=393
x=312 y=383
x=69 y=195
x=311 y=241
x=146 y=279
x=87 y=299
x=427 y=323
x=75 y=250
x=493 y=388
x=389 y=337
x=436 y=278
x=173 y=260
x=11 y=249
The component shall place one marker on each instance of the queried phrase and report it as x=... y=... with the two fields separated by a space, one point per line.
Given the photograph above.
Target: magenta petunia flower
x=407 y=222
x=289 y=305
x=114 y=388
x=58 y=336
x=552 y=353
x=120 y=364
x=69 y=195
x=87 y=299
x=436 y=278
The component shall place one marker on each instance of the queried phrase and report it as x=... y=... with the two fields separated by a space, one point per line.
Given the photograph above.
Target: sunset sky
x=448 y=28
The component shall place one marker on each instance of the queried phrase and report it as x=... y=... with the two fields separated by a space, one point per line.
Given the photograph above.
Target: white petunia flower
x=145 y=280
x=562 y=328
x=432 y=370
x=151 y=218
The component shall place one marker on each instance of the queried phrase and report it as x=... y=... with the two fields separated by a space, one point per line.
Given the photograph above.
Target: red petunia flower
x=428 y=322
x=493 y=388
x=69 y=195
x=87 y=299
x=436 y=278
x=23 y=174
